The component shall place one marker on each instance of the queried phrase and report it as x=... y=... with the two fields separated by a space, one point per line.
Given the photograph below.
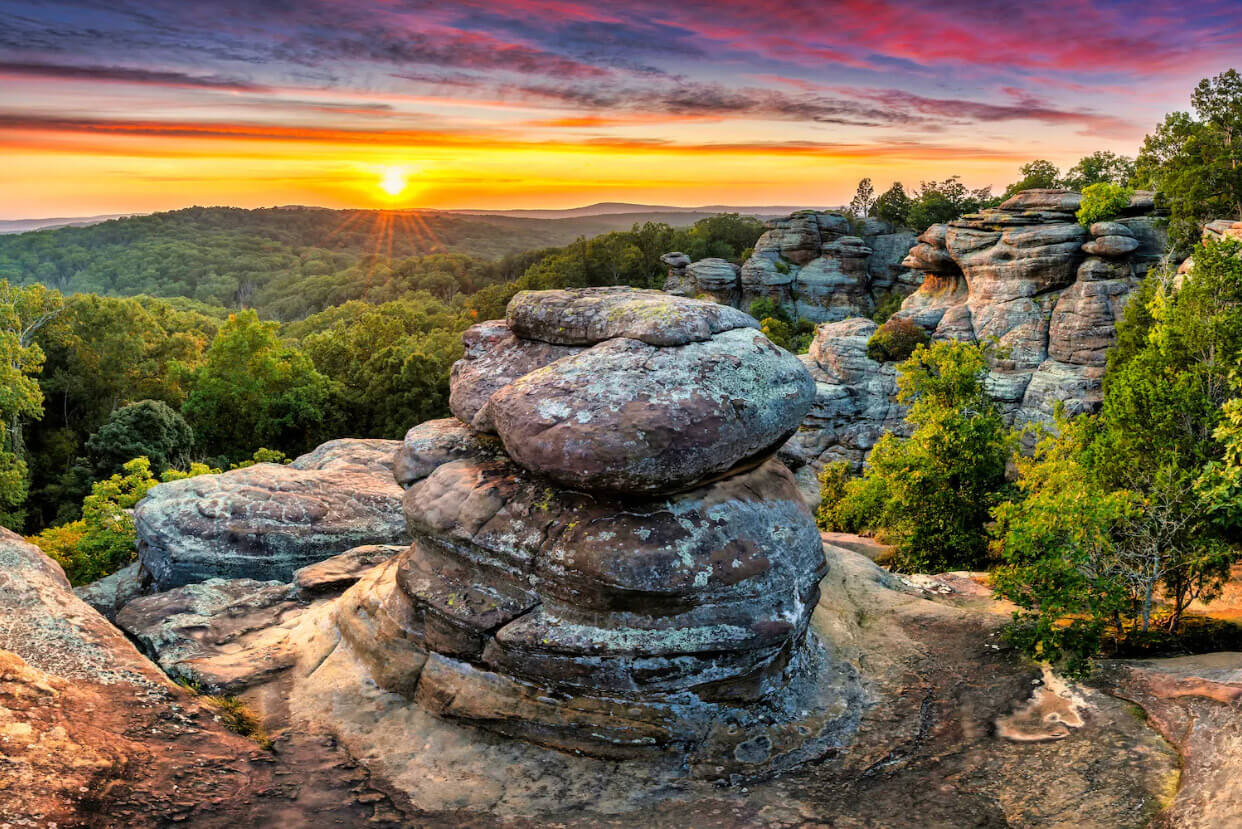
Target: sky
x=111 y=106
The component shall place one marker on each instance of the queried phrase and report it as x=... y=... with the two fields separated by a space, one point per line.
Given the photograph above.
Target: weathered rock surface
x=624 y=416
x=936 y=673
x=1025 y=276
x=111 y=593
x=494 y=357
x=93 y=734
x=267 y=520
x=817 y=266
x=586 y=316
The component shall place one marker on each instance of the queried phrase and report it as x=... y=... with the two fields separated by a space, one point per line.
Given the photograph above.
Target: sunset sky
x=112 y=105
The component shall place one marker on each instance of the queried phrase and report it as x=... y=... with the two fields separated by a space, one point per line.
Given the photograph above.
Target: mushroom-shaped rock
x=1115 y=246
x=267 y=520
x=675 y=259
x=625 y=416
x=586 y=316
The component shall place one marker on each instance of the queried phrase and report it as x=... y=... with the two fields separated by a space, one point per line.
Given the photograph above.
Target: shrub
x=896 y=340
x=930 y=494
x=849 y=503
x=148 y=428
x=1103 y=201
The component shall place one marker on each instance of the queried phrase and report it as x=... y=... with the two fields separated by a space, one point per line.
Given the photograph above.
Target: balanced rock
x=624 y=570
x=266 y=521
x=618 y=628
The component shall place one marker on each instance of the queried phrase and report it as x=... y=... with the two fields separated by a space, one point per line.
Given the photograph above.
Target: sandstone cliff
x=1025 y=279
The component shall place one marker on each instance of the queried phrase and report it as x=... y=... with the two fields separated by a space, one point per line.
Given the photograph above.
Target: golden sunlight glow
x=392 y=181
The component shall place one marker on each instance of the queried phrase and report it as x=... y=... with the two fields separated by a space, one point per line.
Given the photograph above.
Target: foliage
x=102 y=540
x=23 y=312
x=1038 y=174
x=252 y=389
x=893 y=205
x=1194 y=161
x=886 y=305
x=942 y=201
x=864 y=199
x=776 y=324
x=896 y=340
x=1102 y=202
x=1128 y=517
x=930 y=494
x=1102 y=167
x=148 y=428
x=850 y=503
x=389 y=363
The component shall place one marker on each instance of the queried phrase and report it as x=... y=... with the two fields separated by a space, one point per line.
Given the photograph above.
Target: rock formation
x=622 y=569
x=817 y=266
x=267 y=520
x=1025 y=278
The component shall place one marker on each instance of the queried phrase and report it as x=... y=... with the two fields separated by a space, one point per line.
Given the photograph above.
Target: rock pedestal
x=621 y=569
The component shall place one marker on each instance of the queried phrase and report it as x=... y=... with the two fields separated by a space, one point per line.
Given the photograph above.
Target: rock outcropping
x=817 y=266
x=622 y=569
x=267 y=520
x=93 y=734
x=1044 y=292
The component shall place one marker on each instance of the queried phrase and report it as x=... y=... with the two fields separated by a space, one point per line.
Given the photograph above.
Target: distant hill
x=624 y=208
x=289 y=261
x=27 y=225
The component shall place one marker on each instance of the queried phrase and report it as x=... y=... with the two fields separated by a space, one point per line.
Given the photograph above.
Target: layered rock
x=817 y=266
x=1042 y=291
x=266 y=521
x=623 y=569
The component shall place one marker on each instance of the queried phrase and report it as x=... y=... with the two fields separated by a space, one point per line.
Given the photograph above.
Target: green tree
x=864 y=199
x=1194 y=161
x=253 y=390
x=1102 y=202
x=931 y=494
x=23 y=311
x=1037 y=174
x=1102 y=167
x=893 y=205
x=943 y=201
x=148 y=428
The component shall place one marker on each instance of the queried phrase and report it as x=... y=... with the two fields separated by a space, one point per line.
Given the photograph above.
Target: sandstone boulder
x=267 y=520
x=586 y=316
x=626 y=417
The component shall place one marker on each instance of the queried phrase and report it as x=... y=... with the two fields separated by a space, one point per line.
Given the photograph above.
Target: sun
x=392 y=181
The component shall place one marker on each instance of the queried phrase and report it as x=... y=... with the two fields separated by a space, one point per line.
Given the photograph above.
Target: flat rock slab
x=266 y=521
x=586 y=316
x=628 y=417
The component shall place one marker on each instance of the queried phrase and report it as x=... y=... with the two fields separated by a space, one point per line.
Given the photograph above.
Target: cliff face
x=1027 y=279
x=817 y=266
